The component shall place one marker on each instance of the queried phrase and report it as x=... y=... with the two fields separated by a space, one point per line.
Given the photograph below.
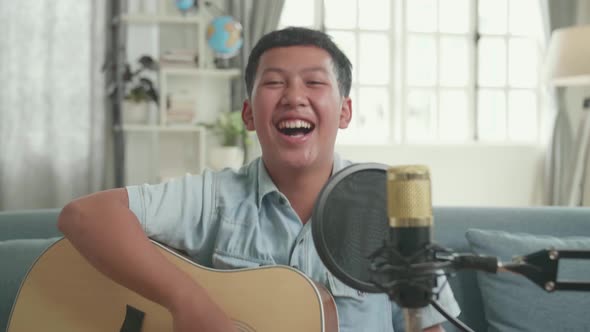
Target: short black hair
x=297 y=36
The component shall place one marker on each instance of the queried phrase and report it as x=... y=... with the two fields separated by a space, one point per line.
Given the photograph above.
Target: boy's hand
x=200 y=313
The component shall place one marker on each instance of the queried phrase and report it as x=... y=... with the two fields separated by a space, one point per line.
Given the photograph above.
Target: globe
x=185 y=5
x=224 y=36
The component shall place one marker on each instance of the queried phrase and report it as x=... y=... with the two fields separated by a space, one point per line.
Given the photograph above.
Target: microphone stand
x=412 y=320
x=390 y=276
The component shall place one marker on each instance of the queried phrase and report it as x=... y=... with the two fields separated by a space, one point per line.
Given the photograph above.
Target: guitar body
x=63 y=292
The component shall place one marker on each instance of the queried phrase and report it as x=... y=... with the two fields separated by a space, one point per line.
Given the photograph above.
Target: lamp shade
x=568 y=56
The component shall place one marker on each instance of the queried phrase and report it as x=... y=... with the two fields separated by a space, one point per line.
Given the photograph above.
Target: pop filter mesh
x=350 y=222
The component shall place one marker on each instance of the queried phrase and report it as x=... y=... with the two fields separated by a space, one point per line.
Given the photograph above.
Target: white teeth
x=294 y=124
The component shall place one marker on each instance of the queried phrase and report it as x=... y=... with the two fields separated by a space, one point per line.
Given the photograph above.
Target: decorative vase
x=135 y=112
x=221 y=157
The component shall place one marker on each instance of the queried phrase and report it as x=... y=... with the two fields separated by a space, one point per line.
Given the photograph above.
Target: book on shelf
x=179 y=58
x=181 y=108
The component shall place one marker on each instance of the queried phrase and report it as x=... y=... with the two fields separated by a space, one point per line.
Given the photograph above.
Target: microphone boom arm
x=541 y=268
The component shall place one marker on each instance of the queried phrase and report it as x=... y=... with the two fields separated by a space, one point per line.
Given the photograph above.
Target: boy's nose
x=294 y=96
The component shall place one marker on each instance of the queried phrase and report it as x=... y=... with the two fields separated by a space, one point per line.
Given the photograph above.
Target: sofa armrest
x=29 y=224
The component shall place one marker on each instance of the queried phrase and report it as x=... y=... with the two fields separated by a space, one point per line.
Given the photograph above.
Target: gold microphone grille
x=409 y=200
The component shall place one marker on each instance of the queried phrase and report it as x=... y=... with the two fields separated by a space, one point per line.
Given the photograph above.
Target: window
x=428 y=71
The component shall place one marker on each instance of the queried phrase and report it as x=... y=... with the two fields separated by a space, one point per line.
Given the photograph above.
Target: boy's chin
x=300 y=160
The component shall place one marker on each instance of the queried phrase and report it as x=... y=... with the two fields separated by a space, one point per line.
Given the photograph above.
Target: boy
x=297 y=82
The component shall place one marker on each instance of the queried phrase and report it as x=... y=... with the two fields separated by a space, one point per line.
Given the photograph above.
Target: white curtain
x=563 y=178
x=51 y=102
x=258 y=17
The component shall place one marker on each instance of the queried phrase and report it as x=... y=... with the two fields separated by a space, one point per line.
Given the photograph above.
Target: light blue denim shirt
x=235 y=219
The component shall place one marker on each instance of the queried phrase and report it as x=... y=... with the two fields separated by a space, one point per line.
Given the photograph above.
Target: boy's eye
x=315 y=82
x=273 y=82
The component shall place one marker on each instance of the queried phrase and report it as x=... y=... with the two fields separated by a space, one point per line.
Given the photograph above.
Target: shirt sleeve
x=430 y=316
x=177 y=213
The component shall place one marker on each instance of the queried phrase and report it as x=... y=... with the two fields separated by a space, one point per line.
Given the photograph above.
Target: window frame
x=399 y=87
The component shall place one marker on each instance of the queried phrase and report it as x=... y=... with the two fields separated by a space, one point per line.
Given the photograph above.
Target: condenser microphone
x=372 y=230
x=409 y=209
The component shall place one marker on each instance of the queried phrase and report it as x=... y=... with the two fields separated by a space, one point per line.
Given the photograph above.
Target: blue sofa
x=25 y=234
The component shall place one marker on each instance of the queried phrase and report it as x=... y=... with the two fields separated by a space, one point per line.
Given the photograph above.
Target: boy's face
x=296 y=107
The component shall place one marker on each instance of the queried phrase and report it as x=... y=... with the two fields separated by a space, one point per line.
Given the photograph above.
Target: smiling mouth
x=295 y=127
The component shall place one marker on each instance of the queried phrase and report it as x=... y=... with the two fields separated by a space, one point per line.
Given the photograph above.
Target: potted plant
x=233 y=140
x=140 y=92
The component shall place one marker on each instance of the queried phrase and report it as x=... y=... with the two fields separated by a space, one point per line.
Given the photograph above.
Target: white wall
x=472 y=175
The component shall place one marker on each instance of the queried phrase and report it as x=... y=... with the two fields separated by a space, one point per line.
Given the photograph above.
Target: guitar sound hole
x=243 y=327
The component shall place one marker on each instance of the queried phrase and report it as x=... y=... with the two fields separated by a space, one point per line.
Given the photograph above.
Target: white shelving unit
x=160 y=19
x=163 y=149
x=198 y=72
x=160 y=128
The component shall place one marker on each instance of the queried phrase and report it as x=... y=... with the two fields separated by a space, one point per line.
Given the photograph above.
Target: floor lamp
x=568 y=64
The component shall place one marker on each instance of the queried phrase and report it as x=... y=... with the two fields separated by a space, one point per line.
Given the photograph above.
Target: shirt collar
x=266 y=185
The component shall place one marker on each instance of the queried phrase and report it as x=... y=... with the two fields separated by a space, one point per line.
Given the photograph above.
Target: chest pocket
x=343 y=291
x=224 y=261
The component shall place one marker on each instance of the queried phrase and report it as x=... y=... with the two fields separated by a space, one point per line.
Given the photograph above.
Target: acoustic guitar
x=63 y=292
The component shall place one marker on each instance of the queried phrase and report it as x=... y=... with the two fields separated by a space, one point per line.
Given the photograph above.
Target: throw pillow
x=514 y=303
x=16 y=257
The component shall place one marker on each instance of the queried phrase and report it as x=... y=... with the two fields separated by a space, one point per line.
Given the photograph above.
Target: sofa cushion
x=16 y=257
x=514 y=303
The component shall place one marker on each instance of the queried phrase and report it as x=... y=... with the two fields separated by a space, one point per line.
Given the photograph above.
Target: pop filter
x=354 y=233
x=350 y=222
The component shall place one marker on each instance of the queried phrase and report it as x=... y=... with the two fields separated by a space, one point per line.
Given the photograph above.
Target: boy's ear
x=345 y=113
x=248 y=116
